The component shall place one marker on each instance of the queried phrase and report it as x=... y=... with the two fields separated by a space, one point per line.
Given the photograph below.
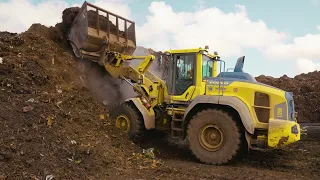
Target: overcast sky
x=277 y=37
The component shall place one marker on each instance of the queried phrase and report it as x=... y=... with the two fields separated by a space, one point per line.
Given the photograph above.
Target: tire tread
x=192 y=143
x=137 y=120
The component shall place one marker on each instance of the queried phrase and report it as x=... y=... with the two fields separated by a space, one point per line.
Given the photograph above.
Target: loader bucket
x=94 y=29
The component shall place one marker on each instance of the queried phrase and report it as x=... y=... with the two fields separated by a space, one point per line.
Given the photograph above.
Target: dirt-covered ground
x=54 y=124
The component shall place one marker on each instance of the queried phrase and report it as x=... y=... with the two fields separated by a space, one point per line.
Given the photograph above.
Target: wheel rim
x=211 y=137
x=123 y=123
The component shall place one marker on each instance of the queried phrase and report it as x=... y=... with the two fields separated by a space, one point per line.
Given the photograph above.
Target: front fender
x=148 y=115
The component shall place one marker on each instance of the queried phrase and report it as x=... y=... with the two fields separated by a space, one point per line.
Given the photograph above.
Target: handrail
x=221 y=76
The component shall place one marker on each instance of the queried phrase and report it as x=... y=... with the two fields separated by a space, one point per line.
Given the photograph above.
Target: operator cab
x=188 y=68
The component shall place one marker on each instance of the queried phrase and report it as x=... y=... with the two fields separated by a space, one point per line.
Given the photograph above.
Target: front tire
x=214 y=137
x=127 y=119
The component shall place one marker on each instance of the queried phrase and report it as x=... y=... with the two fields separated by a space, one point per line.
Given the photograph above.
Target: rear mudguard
x=233 y=102
x=148 y=115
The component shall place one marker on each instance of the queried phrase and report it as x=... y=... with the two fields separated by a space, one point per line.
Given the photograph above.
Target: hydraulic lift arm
x=115 y=65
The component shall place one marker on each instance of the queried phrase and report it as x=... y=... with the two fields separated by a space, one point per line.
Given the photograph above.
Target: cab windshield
x=207 y=66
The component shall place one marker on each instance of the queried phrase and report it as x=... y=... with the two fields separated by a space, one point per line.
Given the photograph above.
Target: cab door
x=181 y=81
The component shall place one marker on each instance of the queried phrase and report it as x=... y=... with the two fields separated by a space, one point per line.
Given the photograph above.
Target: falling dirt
x=54 y=124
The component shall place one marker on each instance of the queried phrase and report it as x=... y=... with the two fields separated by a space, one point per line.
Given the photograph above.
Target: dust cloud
x=105 y=88
x=126 y=89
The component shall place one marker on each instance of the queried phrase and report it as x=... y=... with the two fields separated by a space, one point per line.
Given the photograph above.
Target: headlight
x=294 y=129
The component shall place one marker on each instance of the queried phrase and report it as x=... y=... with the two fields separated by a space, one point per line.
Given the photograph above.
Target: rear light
x=294 y=129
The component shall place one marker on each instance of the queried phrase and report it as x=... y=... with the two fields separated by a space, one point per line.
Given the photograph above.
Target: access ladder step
x=177 y=129
x=177 y=116
x=177 y=132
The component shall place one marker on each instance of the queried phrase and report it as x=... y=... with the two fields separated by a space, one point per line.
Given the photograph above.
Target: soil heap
x=306 y=93
x=50 y=122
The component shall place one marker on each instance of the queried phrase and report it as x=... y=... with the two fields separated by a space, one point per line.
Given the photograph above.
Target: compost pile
x=306 y=92
x=51 y=124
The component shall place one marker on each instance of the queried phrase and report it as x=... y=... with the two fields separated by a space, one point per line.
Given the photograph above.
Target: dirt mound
x=306 y=92
x=50 y=122
x=68 y=16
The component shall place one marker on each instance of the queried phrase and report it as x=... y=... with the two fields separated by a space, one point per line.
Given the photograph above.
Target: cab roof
x=181 y=51
x=177 y=51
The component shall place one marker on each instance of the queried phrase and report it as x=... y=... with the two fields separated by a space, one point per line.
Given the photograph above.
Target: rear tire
x=214 y=137
x=127 y=119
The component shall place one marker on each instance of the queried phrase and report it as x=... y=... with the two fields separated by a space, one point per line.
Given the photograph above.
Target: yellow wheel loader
x=217 y=112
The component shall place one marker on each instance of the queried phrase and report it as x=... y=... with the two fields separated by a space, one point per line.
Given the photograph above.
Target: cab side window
x=206 y=67
x=184 y=72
